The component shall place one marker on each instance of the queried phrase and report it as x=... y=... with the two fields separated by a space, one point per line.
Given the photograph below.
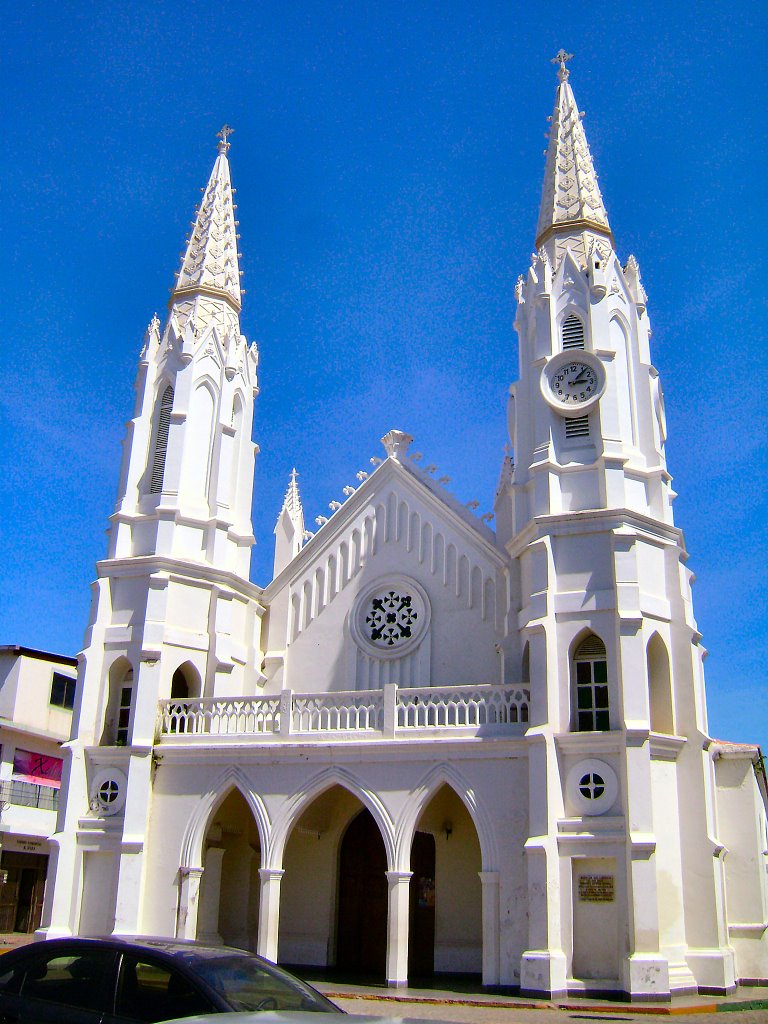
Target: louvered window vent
x=161 y=441
x=573 y=332
x=591 y=647
x=578 y=426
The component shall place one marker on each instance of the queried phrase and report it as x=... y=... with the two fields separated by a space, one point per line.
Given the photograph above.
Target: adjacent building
x=428 y=745
x=37 y=695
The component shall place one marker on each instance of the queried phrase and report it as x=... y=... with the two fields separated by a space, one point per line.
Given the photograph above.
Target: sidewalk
x=415 y=1002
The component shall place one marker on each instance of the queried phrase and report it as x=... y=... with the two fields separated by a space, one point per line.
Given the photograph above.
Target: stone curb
x=627 y=1008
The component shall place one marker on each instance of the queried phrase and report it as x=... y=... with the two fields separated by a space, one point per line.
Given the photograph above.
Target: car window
x=10 y=979
x=247 y=985
x=149 y=991
x=81 y=979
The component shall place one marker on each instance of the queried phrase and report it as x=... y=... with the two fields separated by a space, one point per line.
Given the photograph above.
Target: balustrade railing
x=388 y=712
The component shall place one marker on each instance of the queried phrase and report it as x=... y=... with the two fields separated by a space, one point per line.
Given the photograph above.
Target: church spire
x=571 y=202
x=210 y=263
x=289 y=529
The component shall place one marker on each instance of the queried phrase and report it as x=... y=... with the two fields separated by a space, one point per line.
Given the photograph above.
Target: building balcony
x=29 y=794
x=390 y=713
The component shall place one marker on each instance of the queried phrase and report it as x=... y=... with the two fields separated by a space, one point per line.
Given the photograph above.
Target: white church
x=428 y=745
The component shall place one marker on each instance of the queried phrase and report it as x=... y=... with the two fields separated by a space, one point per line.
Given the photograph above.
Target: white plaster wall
x=666 y=828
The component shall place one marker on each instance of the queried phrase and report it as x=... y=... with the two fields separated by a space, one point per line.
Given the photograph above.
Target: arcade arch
x=229 y=893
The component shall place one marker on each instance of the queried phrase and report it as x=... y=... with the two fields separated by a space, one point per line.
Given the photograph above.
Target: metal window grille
x=573 y=332
x=29 y=794
x=161 y=441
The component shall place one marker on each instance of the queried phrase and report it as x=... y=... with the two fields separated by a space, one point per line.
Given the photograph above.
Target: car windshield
x=248 y=985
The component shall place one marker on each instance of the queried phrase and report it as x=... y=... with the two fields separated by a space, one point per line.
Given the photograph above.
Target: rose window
x=391 y=619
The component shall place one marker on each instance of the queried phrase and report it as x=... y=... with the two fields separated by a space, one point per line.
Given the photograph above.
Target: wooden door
x=361 y=945
x=421 y=936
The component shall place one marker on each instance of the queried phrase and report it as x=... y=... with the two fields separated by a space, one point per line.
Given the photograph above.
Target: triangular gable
x=362 y=512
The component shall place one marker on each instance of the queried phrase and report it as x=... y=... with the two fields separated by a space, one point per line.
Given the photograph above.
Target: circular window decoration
x=107 y=791
x=390 y=617
x=592 y=787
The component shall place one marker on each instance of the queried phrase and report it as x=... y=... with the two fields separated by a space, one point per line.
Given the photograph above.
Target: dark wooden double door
x=21 y=895
x=362 y=912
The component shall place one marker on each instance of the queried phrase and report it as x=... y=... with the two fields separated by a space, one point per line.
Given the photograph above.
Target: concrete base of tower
x=646 y=976
x=714 y=970
x=543 y=974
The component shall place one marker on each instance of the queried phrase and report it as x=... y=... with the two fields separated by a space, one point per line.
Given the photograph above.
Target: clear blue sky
x=388 y=159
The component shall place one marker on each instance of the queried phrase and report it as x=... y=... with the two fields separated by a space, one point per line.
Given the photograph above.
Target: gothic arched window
x=590 y=686
x=572 y=332
x=160 y=446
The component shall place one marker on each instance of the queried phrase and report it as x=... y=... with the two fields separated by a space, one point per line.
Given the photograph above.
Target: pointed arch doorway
x=361 y=931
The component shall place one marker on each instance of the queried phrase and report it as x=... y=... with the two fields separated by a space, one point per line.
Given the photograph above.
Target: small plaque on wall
x=596 y=889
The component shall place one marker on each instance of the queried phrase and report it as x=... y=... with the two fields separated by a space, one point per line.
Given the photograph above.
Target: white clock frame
x=556 y=363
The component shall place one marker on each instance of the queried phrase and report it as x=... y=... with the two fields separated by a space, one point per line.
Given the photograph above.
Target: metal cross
x=224 y=134
x=562 y=58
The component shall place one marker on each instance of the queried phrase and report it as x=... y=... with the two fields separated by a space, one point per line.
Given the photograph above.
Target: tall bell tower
x=619 y=787
x=173 y=612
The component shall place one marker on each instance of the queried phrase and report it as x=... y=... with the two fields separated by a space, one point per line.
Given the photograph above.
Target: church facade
x=427 y=745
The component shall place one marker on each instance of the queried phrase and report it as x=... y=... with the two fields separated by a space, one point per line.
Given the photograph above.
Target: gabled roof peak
x=570 y=198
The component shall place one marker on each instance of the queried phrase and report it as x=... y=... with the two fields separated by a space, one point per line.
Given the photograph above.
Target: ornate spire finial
x=224 y=134
x=562 y=58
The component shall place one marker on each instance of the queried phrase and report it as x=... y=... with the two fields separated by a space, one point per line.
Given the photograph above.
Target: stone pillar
x=397 y=932
x=490 y=884
x=543 y=968
x=189 y=902
x=62 y=900
x=208 y=913
x=130 y=882
x=269 y=912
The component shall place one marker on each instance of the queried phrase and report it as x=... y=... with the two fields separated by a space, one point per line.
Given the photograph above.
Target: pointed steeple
x=289 y=529
x=571 y=202
x=210 y=262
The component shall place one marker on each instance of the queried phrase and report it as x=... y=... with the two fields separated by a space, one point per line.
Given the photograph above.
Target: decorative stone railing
x=355 y=713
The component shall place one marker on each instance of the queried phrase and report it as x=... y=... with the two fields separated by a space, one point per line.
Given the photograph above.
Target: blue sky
x=388 y=159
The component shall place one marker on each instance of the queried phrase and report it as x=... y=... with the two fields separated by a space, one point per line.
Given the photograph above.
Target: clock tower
x=603 y=625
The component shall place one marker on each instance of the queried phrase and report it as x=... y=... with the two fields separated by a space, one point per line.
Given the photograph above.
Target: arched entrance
x=229 y=893
x=446 y=926
x=361 y=946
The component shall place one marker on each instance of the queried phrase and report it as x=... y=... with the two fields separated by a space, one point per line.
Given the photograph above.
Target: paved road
x=463 y=1014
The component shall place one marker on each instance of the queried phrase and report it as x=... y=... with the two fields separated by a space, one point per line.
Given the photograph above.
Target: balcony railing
x=29 y=794
x=391 y=712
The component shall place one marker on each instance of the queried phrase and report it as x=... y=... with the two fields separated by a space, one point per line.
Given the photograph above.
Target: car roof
x=186 y=948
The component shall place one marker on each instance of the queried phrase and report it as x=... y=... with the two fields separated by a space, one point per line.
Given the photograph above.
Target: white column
x=208 y=914
x=490 y=884
x=130 y=884
x=397 y=932
x=189 y=902
x=269 y=912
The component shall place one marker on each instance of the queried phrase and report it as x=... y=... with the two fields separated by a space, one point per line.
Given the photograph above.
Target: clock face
x=574 y=383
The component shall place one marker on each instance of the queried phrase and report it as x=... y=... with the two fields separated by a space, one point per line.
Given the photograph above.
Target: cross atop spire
x=223 y=135
x=561 y=58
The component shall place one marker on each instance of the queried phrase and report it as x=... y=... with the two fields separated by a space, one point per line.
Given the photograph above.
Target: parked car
x=121 y=981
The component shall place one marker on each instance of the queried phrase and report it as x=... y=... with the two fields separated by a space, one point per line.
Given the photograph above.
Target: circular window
x=107 y=792
x=592 y=787
x=390 y=617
